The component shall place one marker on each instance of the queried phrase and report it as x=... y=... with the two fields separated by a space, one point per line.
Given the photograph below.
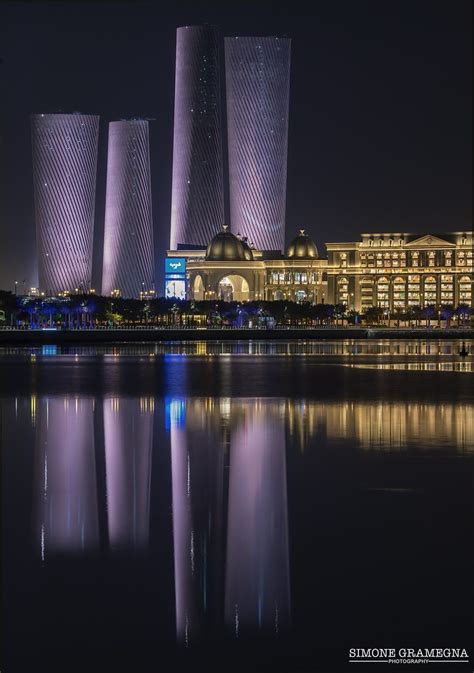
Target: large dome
x=302 y=247
x=225 y=247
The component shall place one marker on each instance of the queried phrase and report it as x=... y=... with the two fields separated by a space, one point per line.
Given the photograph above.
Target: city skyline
x=373 y=142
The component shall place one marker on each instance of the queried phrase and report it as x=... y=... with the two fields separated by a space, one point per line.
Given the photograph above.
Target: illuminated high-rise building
x=257 y=92
x=128 y=262
x=197 y=199
x=64 y=171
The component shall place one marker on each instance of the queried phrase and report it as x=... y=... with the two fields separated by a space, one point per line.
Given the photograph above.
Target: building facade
x=197 y=198
x=390 y=271
x=128 y=261
x=230 y=270
x=64 y=173
x=398 y=271
x=257 y=93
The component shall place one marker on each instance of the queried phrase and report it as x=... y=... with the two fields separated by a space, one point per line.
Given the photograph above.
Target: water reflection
x=66 y=512
x=429 y=348
x=230 y=531
x=128 y=438
x=257 y=595
x=198 y=442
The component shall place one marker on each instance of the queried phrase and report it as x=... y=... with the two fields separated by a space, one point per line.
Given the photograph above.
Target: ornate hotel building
x=230 y=270
x=397 y=271
x=391 y=271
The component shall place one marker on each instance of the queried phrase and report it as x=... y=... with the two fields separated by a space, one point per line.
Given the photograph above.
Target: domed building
x=302 y=247
x=229 y=269
x=225 y=247
x=392 y=271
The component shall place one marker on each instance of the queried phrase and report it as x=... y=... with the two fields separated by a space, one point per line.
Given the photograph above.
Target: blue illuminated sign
x=175 y=265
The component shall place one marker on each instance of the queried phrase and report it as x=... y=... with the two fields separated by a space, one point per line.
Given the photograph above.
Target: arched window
x=430 y=295
x=342 y=290
x=399 y=292
x=383 y=292
x=366 y=292
x=465 y=290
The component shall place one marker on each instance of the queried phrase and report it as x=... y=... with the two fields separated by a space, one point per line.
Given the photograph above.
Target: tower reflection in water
x=198 y=442
x=128 y=439
x=255 y=593
x=66 y=513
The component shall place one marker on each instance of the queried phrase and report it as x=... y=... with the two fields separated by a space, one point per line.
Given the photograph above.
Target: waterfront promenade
x=135 y=334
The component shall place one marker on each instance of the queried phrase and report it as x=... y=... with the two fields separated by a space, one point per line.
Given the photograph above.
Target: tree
x=428 y=313
x=373 y=314
x=446 y=313
x=462 y=311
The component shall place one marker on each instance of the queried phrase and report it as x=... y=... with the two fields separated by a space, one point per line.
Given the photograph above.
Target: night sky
x=380 y=109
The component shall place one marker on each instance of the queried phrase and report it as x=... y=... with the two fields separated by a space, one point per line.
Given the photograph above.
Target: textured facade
x=257 y=91
x=64 y=171
x=128 y=261
x=397 y=272
x=197 y=198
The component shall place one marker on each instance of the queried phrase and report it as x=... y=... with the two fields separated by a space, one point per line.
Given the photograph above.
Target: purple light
x=257 y=92
x=64 y=171
x=128 y=262
x=197 y=199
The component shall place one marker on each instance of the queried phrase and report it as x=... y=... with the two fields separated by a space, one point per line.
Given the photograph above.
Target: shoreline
x=121 y=335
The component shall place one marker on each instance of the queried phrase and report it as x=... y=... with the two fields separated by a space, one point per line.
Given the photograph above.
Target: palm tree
x=462 y=311
x=446 y=312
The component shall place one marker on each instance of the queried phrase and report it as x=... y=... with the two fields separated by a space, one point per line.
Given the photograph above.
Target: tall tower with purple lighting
x=128 y=262
x=64 y=172
x=258 y=92
x=197 y=198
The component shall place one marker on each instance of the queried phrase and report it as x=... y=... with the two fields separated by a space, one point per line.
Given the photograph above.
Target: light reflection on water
x=241 y=578
x=323 y=348
x=262 y=497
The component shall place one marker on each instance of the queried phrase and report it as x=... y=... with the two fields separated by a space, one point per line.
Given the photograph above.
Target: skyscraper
x=257 y=91
x=197 y=199
x=64 y=172
x=128 y=262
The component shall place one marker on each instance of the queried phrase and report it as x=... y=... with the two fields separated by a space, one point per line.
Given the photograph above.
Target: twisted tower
x=258 y=91
x=128 y=262
x=197 y=199
x=64 y=172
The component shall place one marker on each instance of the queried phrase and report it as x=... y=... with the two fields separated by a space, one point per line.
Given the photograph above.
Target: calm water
x=235 y=506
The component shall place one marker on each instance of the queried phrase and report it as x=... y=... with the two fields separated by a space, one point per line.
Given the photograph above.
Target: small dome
x=302 y=247
x=225 y=247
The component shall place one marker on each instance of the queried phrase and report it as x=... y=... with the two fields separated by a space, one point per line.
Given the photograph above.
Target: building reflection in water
x=383 y=426
x=65 y=487
x=128 y=439
x=198 y=441
x=257 y=594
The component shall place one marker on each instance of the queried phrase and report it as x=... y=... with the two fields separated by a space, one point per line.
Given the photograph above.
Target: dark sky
x=380 y=110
